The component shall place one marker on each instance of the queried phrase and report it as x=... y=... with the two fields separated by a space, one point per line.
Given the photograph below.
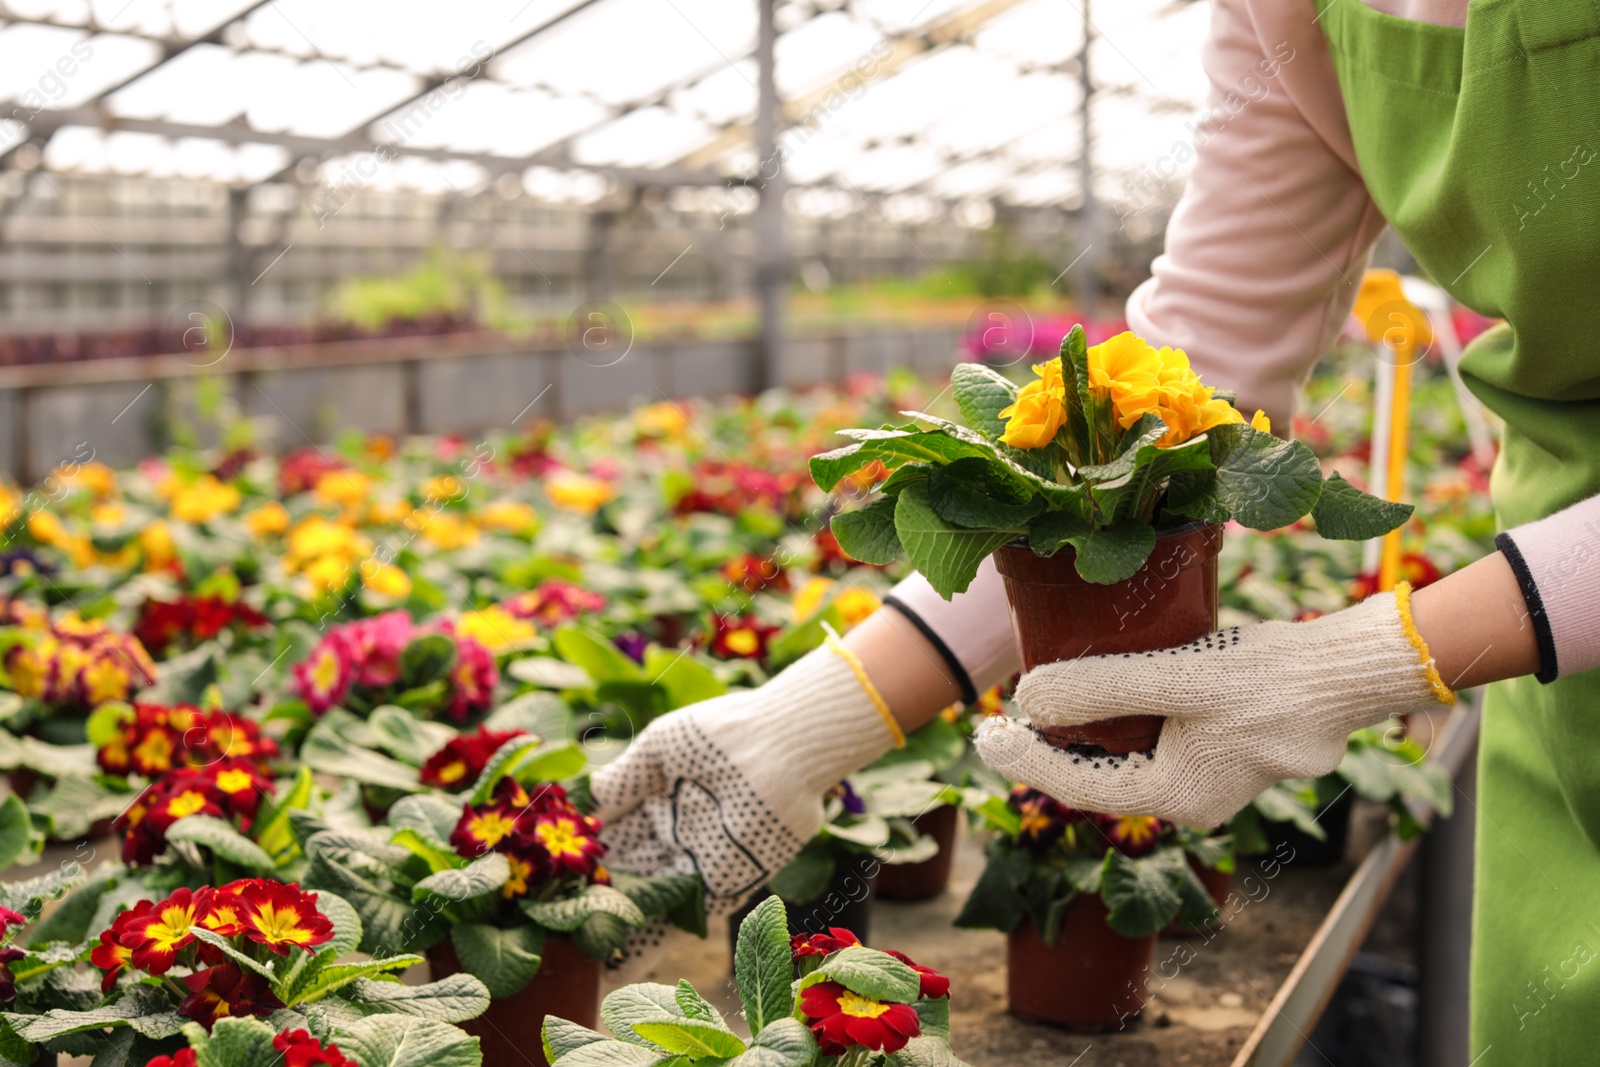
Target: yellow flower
x=1259 y=421
x=108 y=515
x=315 y=536
x=48 y=529
x=388 y=512
x=443 y=529
x=810 y=597
x=443 y=489
x=661 y=420
x=328 y=573
x=155 y=541
x=342 y=487
x=1191 y=412
x=495 y=628
x=578 y=492
x=509 y=516
x=95 y=477
x=204 y=499
x=386 y=578
x=269 y=520
x=1039 y=411
x=855 y=604
x=1126 y=371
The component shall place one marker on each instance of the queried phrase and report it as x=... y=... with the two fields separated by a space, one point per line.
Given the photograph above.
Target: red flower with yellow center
x=111 y=955
x=827 y=944
x=152 y=756
x=458 y=764
x=282 y=917
x=189 y=802
x=480 y=831
x=106 y=677
x=517 y=880
x=156 y=936
x=934 y=985
x=568 y=845
x=740 y=638
x=226 y=915
x=226 y=991
x=300 y=1049
x=1132 y=835
x=842 y=1020
x=324 y=679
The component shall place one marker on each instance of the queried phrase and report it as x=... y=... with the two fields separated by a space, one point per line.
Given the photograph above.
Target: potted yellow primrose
x=1101 y=489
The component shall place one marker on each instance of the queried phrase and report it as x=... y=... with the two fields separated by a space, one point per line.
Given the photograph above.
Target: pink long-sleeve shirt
x=1264 y=255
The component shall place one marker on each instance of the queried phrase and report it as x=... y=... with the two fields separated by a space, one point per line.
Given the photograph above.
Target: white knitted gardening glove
x=731 y=788
x=1245 y=708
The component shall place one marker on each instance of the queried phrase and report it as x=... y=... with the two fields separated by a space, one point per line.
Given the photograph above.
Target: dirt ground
x=1201 y=1017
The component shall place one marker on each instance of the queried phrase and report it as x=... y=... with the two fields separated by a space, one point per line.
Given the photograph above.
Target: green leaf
x=805 y=877
x=223 y=840
x=484 y=875
x=924 y=1052
x=611 y=1054
x=678 y=897
x=325 y=750
x=560 y=1037
x=1345 y=513
x=996 y=900
x=868 y=534
x=1053 y=529
x=895 y=448
x=547 y=672
x=1279 y=803
x=337 y=976
x=945 y=555
x=401 y=733
x=146 y=1006
x=454 y=998
x=688 y=1036
x=75 y=803
x=406 y=1041
x=975 y=493
x=504 y=959
x=602 y=935
x=1140 y=893
x=502 y=763
x=16 y=831
x=686 y=680
x=1152 y=467
x=1264 y=482
x=642 y=1002
x=273 y=830
x=250 y=963
x=426 y=659
x=105 y=722
x=569 y=913
x=981 y=394
x=694 y=1006
x=438 y=857
x=588 y=649
x=1193 y=494
x=1114 y=555
x=1147 y=431
x=238 y=1042
x=762 y=964
x=873 y=974
x=785 y=1043
x=431 y=816
x=70 y=920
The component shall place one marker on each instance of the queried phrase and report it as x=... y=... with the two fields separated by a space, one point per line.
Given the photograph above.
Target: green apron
x=1481 y=146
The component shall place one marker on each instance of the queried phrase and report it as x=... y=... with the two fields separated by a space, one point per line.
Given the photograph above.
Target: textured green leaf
x=222 y=839
x=784 y=1043
x=981 y=394
x=868 y=534
x=426 y=659
x=268 y=971
x=1113 y=555
x=610 y=1054
x=406 y=1041
x=239 y=1042
x=685 y=678
x=560 y=1037
x=894 y=449
x=875 y=975
x=454 y=998
x=694 y=1006
x=149 y=1006
x=763 y=965
x=974 y=493
x=339 y=975
x=602 y=935
x=325 y=750
x=1264 y=482
x=1149 y=430
x=504 y=959
x=1345 y=513
x=690 y=1036
x=401 y=733
x=16 y=831
x=438 y=857
x=273 y=829
x=680 y=898
x=945 y=555
x=1141 y=893
x=604 y=662
x=569 y=913
x=433 y=817
x=502 y=763
x=642 y=1002
x=484 y=875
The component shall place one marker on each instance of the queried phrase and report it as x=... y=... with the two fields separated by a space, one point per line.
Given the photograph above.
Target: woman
x=1471 y=137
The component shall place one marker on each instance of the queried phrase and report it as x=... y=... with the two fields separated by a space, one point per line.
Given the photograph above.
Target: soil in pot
x=847 y=902
x=567 y=986
x=1335 y=822
x=1057 y=615
x=925 y=880
x=1092 y=980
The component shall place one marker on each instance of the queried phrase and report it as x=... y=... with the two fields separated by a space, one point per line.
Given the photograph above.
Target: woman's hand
x=1245 y=707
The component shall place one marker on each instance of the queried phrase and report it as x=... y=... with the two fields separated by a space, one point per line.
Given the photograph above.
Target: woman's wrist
x=1476 y=624
x=906 y=668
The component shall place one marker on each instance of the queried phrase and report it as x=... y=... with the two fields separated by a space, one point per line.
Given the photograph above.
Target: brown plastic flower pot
x=1058 y=615
x=925 y=880
x=567 y=986
x=1091 y=980
x=1218 y=885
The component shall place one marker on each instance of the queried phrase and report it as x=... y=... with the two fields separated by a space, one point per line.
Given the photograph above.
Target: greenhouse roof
x=951 y=98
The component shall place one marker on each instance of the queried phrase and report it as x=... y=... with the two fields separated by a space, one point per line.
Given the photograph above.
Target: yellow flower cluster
x=1137 y=379
x=495 y=628
x=854 y=603
x=578 y=492
x=325 y=552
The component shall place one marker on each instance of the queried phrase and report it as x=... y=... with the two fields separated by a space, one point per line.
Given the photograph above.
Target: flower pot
x=847 y=902
x=921 y=881
x=1057 y=615
x=567 y=986
x=1090 y=981
x=1218 y=885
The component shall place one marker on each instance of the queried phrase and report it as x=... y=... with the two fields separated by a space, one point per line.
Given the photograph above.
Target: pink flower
x=324 y=678
x=473 y=677
x=377 y=643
